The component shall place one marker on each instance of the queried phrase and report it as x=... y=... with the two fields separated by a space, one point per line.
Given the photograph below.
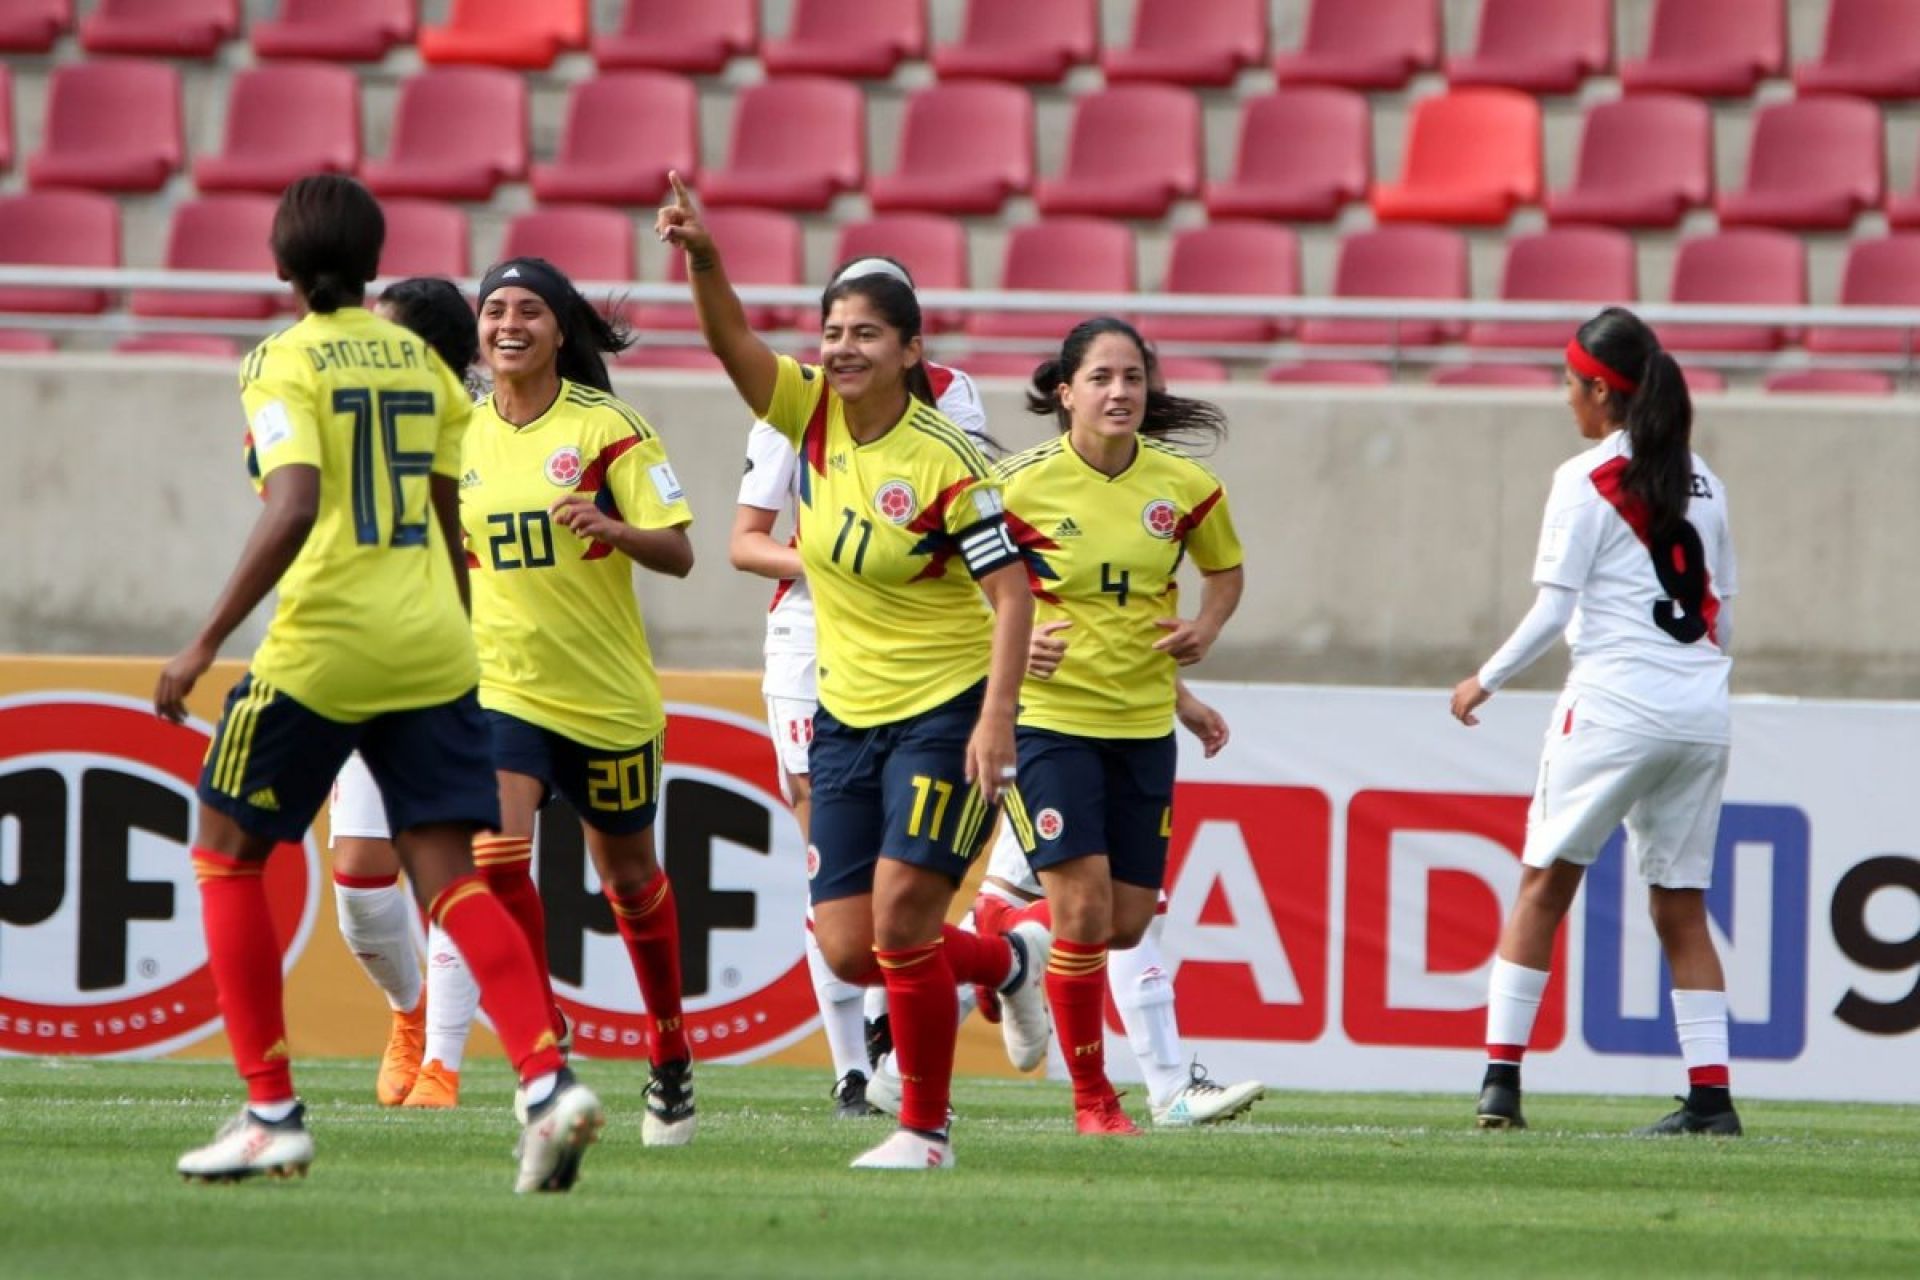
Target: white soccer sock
x=452 y=999
x=842 y=1013
x=1143 y=993
x=876 y=1002
x=1700 y=1017
x=374 y=923
x=1513 y=1000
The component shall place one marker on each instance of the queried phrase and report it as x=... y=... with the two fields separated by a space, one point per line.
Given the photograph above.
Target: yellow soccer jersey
x=554 y=615
x=369 y=619
x=902 y=627
x=1103 y=554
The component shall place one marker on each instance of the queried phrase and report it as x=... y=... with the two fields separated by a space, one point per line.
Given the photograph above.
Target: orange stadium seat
x=1083 y=255
x=207 y=345
x=1395 y=262
x=1883 y=272
x=1377 y=45
x=1258 y=258
x=1346 y=373
x=523 y=34
x=1157 y=127
x=424 y=238
x=458 y=133
x=1495 y=375
x=58 y=229
x=1304 y=155
x=1031 y=41
x=624 y=131
x=1715 y=48
x=797 y=143
x=762 y=247
x=1744 y=267
x=933 y=247
x=32 y=26
x=1872 y=49
x=217 y=233
x=1196 y=42
x=859 y=39
x=586 y=242
x=1644 y=161
x=285 y=120
x=1815 y=164
x=337 y=30
x=1538 y=48
x=1831 y=382
x=672 y=35
x=21 y=342
x=1473 y=156
x=160 y=28
x=964 y=148
x=112 y=125
x=1567 y=264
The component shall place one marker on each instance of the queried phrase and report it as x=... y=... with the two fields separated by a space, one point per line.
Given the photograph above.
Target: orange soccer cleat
x=400 y=1064
x=438 y=1087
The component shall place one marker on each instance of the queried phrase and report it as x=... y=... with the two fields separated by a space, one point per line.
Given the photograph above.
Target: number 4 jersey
x=1645 y=639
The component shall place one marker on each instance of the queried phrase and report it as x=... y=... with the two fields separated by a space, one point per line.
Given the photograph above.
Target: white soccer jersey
x=1646 y=651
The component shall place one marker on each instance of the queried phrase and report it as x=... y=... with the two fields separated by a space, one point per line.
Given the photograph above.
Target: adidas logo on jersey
x=839 y=461
x=265 y=799
x=470 y=480
x=1066 y=529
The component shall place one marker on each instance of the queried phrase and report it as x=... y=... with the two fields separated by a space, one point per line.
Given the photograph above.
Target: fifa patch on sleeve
x=271 y=426
x=1553 y=544
x=667 y=484
x=987 y=502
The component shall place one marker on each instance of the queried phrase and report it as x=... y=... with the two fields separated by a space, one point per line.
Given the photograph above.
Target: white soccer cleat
x=248 y=1146
x=908 y=1150
x=556 y=1136
x=670 y=1120
x=883 y=1088
x=1025 y=1022
x=1202 y=1101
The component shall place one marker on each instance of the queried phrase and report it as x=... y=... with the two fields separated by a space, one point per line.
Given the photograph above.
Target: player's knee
x=1679 y=915
x=1127 y=934
x=848 y=959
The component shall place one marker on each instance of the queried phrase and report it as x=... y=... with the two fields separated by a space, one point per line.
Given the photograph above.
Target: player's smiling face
x=519 y=334
x=1587 y=397
x=1108 y=393
x=861 y=352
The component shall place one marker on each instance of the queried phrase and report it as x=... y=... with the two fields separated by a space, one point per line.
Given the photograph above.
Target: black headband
x=531 y=274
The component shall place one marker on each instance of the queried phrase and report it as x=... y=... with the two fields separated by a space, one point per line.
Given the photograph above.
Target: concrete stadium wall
x=1389 y=533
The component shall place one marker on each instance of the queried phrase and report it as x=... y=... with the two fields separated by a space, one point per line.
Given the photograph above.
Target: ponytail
x=1659 y=424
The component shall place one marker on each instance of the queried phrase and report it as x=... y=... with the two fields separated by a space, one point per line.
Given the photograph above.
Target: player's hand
x=1047 y=648
x=177 y=679
x=1468 y=697
x=1202 y=721
x=679 y=223
x=577 y=514
x=1186 y=639
x=990 y=756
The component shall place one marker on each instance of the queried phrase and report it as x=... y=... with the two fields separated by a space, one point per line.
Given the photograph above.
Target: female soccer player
x=1636 y=555
x=913 y=740
x=354 y=439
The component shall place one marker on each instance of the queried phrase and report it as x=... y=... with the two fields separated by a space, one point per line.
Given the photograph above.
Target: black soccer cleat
x=879 y=1039
x=850 y=1098
x=670 y=1120
x=1499 y=1107
x=1688 y=1122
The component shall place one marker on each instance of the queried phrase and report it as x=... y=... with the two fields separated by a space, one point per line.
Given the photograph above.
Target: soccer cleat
x=1026 y=1022
x=400 y=1064
x=906 y=1149
x=1105 y=1119
x=1202 y=1101
x=850 y=1097
x=248 y=1146
x=555 y=1136
x=1686 y=1121
x=670 y=1120
x=879 y=1039
x=1499 y=1108
x=438 y=1087
x=883 y=1088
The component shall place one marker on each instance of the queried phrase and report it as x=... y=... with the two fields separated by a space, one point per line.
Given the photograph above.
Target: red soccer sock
x=1041 y=911
x=245 y=958
x=510 y=986
x=975 y=959
x=924 y=1011
x=650 y=923
x=506 y=864
x=1077 y=990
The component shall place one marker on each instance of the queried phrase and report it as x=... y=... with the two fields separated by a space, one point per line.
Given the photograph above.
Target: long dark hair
x=1657 y=413
x=327 y=235
x=436 y=310
x=1175 y=419
x=899 y=306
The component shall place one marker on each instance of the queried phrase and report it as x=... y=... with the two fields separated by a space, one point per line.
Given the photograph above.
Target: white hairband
x=873 y=267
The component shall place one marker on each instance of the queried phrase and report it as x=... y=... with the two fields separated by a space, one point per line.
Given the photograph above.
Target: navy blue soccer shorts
x=1081 y=796
x=614 y=790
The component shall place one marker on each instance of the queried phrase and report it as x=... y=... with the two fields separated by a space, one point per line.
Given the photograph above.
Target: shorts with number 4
x=615 y=790
x=1079 y=796
x=1593 y=778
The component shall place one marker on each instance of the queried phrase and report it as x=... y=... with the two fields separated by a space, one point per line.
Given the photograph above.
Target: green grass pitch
x=1311 y=1185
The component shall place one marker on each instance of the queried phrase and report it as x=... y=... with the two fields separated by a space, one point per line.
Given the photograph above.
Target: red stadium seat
x=20 y=342
x=217 y=233
x=6 y=118
x=1395 y=262
x=160 y=28
x=1015 y=365
x=672 y=35
x=1702 y=381
x=285 y=120
x=1376 y=45
x=32 y=26
x=588 y=243
x=58 y=229
x=1030 y=41
x=458 y=133
x=964 y=148
x=762 y=247
x=1304 y=155
x=336 y=30
x=1567 y=264
x=1346 y=373
x=1879 y=273
x=526 y=35
x=1715 y=48
x=1086 y=255
x=625 y=130
x=1196 y=42
x=1841 y=382
x=1157 y=127
x=796 y=144
x=1746 y=267
x=1522 y=376
x=933 y=248
x=858 y=39
x=1473 y=156
x=1644 y=161
x=207 y=345
x=1816 y=164
x=1872 y=49
x=696 y=358
x=112 y=124
x=1538 y=48
x=424 y=238
x=1259 y=259
x=1178 y=371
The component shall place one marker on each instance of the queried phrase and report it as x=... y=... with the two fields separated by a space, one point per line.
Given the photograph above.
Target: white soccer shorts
x=1008 y=863
x=356 y=809
x=790 y=721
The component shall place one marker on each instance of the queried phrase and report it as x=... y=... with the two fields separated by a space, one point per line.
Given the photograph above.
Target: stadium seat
x=1523 y=376
x=6 y=118
x=335 y=30
x=625 y=130
x=1177 y=371
x=1842 y=382
x=1029 y=41
x=285 y=120
x=672 y=35
x=58 y=229
x=1903 y=209
x=217 y=233
x=208 y=345
x=22 y=342
x=1567 y=264
x=1884 y=272
x=1304 y=155
x=32 y=26
x=1702 y=381
x=458 y=133
x=857 y=39
x=1473 y=156
x=1538 y=48
x=964 y=148
x=1194 y=42
x=1079 y=255
x=1872 y=49
x=424 y=238
x=526 y=35
x=1377 y=45
x=1815 y=164
x=762 y=247
x=650 y=356
x=1744 y=267
x=1395 y=262
x=160 y=28
x=112 y=124
x=933 y=248
x=1257 y=258
x=796 y=144
x=1714 y=48
x=1347 y=373
x=1157 y=129
x=586 y=242
x=1644 y=161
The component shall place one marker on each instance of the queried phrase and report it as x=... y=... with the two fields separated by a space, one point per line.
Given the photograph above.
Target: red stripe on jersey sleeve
x=594 y=478
x=1031 y=543
x=1194 y=518
x=933 y=518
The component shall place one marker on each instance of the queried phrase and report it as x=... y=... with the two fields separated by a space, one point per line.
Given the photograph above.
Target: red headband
x=1582 y=362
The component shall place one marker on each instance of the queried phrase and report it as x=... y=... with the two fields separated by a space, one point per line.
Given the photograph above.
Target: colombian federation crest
x=564 y=467
x=896 y=502
x=1160 y=518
